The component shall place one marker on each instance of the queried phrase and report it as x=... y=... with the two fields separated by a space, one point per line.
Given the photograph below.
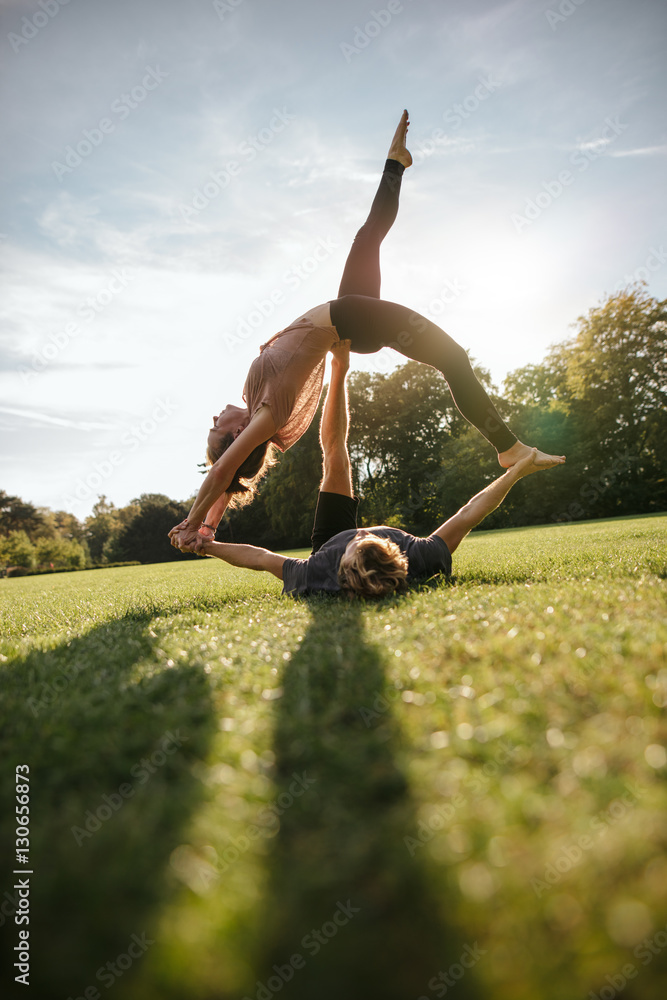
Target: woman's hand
x=179 y=527
x=184 y=537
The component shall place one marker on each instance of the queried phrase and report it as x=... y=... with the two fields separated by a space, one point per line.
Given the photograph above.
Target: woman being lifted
x=284 y=384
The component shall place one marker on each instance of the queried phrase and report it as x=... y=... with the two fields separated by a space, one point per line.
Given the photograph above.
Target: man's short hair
x=376 y=567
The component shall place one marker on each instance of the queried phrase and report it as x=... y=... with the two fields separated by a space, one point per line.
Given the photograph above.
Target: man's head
x=372 y=566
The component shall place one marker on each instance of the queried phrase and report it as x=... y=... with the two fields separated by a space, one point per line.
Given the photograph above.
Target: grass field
x=456 y=792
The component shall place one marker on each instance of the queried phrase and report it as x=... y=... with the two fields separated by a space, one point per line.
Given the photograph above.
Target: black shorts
x=335 y=512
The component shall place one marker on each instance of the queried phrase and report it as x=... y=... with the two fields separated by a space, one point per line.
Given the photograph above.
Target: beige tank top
x=288 y=376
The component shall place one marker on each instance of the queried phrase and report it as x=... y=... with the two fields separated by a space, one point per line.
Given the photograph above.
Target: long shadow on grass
x=109 y=749
x=345 y=894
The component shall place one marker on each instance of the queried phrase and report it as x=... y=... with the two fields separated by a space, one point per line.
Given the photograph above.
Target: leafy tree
x=402 y=428
x=101 y=528
x=61 y=553
x=17 y=515
x=16 y=549
x=616 y=371
x=58 y=524
x=144 y=536
x=68 y=526
x=600 y=399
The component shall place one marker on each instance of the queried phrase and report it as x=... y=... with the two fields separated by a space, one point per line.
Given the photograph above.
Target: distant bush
x=112 y=565
x=16 y=550
x=60 y=553
x=43 y=570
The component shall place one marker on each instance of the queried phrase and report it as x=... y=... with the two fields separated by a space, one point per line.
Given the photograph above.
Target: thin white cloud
x=643 y=151
x=44 y=418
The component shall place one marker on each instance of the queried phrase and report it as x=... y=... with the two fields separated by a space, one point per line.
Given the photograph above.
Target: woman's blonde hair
x=247 y=477
x=376 y=567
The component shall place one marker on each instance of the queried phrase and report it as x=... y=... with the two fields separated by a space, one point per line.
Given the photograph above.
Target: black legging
x=371 y=323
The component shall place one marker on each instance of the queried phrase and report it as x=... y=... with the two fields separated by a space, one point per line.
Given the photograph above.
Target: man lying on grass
x=368 y=562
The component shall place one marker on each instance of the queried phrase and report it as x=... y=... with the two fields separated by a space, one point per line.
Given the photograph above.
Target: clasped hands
x=186 y=538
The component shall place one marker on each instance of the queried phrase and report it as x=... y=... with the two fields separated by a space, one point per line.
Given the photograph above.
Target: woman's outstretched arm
x=212 y=491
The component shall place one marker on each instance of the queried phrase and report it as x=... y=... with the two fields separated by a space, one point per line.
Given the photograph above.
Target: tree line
x=599 y=398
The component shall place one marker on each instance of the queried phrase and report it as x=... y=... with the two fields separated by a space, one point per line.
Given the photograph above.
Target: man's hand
x=340 y=355
x=202 y=544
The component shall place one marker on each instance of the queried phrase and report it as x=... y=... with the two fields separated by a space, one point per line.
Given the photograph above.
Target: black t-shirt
x=426 y=557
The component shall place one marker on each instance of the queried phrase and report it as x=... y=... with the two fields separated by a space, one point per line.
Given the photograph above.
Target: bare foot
x=521 y=451
x=528 y=464
x=398 y=150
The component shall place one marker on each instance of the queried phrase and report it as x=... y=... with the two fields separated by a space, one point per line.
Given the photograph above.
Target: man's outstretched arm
x=337 y=471
x=245 y=556
x=457 y=527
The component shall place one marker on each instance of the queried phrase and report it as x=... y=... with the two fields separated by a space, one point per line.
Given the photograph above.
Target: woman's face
x=232 y=420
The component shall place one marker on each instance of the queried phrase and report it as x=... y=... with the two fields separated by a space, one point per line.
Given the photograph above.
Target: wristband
x=209 y=526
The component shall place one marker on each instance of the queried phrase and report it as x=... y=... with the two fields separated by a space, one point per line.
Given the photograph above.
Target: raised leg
x=361 y=275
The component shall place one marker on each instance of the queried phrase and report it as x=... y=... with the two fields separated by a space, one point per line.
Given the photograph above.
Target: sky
x=183 y=178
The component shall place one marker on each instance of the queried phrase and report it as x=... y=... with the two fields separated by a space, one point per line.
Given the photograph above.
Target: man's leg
x=335 y=425
x=361 y=275
x=483 y=503
x=336 y=505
